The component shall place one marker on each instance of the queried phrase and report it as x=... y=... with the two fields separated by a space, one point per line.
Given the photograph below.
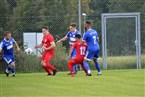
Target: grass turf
x=113 y=83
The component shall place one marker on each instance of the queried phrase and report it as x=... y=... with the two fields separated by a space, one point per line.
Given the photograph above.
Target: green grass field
x=113 y=83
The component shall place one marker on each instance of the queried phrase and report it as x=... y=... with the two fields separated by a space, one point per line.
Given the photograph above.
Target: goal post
x=121 y=17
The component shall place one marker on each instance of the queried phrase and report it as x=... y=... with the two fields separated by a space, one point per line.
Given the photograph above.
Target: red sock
x=83 y=68
x=46 y=69
x=51 y=67
x=70 y=65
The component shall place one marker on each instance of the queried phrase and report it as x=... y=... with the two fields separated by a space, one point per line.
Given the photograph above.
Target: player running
x=80 y=53
x=48 y=44
x=6 y=46
x=91 y=38
x=71 y=35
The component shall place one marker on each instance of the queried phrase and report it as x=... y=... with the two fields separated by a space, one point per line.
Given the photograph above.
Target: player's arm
x=70 y=51
x=1 y=47
x=38 y=46
x=17 y=46
x=63 y=39
x=51 y=47
x=84 y=38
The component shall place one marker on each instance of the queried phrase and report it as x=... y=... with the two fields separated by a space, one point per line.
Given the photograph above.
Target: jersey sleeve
x=50 y=38
x=42 y=42
x=1 y=45
x=67 y=35
x=85 y=37
x=13 y=40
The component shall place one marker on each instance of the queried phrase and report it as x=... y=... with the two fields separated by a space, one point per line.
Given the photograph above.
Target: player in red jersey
x=80 y=53
x=48 y=44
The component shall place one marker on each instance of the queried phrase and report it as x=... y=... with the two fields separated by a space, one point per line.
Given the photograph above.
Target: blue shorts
x=9 y=59
x=73 y=54
x=90 y=54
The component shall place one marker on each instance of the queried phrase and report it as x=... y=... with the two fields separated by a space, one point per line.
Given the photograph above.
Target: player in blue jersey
x=71 y=35
x=6 y=46
x=91 y=38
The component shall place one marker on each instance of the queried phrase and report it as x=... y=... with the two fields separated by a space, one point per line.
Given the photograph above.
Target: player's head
x=73 y=27
x=45 y=30
x=78 y=37
x=7 y=35
x=87 y=25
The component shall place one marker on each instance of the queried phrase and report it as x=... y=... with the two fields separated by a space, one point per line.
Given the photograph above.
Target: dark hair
x=73 y=25
x=6 y=33
x=87 y=22
x=45 y=27
x=78 y=36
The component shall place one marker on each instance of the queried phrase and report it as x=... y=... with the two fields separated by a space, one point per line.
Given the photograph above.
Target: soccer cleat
x=72 y=74
x=88 y=74
x=54 y=72
x=49 y=74
x=69 y=73
x=13 y=75
x=7 y=74
x=99 y=74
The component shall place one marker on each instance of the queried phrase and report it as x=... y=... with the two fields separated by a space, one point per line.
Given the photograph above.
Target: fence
x=20 y=16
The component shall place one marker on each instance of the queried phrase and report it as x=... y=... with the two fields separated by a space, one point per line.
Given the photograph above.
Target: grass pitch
x=113 y=83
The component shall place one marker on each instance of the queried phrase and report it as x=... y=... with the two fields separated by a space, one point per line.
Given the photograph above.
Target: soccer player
x=48 y=44
x=6 y=46
x=80 y=53
x=71 y=35
x=91 y=38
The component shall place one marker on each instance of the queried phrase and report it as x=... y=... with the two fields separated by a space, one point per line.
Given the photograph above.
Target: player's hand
x=35 y=47
x=69 y=57
x=58 y=41
x=18 y=49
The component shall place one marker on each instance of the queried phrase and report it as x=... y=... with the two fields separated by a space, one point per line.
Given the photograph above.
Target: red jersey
x=80 y=49
x=47 y=39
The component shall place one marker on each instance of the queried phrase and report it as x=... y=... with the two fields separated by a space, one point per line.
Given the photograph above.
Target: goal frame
x=104 y=17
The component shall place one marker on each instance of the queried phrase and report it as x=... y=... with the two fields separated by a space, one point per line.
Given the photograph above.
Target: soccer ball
x=29 y=51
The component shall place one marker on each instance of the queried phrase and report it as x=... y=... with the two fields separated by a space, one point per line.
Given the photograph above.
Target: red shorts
x=78 y=60
x=47 y=56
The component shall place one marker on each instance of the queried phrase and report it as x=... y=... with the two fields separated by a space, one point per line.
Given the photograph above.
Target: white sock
x=7 y=71
x=89 y=71
x=99 y=72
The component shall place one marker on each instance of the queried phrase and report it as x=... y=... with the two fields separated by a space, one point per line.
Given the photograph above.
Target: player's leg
x=13 y=68
x=95 y=59
x=71 y=63
x=45 y=68
x=88 y=57
x=82 y=65
x=49 y=66
x=10 y=65
x=73 y=55
x=43 y=64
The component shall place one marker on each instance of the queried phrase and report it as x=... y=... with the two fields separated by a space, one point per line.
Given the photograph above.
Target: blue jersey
x=7 y=46
x=71 y=36
x=91 y=37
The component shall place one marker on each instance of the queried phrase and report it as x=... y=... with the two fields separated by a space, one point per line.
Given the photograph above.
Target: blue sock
x=97 y=66
x=86 y=65
x=13 y=69
x=9 y=68
x=75 y=67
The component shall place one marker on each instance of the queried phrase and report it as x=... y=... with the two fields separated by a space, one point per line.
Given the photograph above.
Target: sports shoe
x=54 y=72
x=88 y=74
x=13 y=75
x=69 y=73
x=72 y=74
x=49 y=74
x=7 y=73
x=99 y=74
